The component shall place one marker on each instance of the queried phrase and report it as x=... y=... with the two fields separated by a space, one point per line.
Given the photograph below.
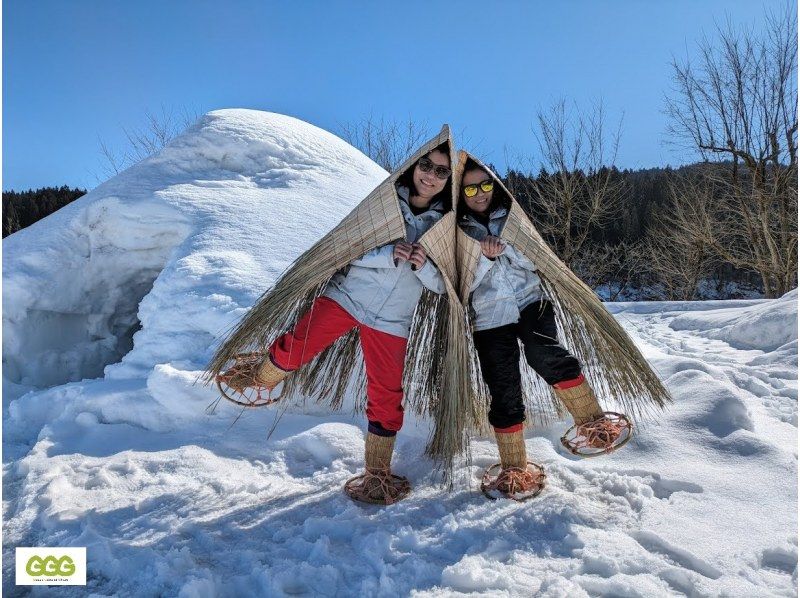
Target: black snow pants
x=498 y=352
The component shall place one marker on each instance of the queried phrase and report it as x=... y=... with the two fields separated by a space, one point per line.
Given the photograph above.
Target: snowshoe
x=246 y=384
x=513 y=482
x=378 y=487
x=600 y=436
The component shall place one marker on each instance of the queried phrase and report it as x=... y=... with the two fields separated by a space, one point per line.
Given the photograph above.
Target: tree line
x=616 y=229
x=625 y=248
x=23 y=208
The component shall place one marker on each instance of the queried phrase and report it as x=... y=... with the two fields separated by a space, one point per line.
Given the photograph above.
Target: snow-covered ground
x=146 y=270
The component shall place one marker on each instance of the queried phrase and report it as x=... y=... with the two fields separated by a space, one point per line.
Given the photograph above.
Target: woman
x=508 y=305
x=377 y=294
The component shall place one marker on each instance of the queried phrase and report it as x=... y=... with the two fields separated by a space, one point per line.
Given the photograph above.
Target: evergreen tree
x=21 y=209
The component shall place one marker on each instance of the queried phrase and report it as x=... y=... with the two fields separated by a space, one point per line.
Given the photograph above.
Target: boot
x=517 y=479
x=579 y=399
x=378 y=485
x=511 y=446
x=269 y=374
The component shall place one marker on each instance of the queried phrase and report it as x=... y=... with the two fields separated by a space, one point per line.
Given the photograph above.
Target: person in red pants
x=377 y=294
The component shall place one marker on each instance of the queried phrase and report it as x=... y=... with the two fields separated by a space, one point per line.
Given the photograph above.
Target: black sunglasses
x=426 y=165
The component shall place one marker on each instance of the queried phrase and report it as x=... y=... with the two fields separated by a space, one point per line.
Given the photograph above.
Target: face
x=480 y=202
x=427 y=183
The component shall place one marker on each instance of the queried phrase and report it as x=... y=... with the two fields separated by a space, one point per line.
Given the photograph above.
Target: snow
x=761 y=328
x=111 y=308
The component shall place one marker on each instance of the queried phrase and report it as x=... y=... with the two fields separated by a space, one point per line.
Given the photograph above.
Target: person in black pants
x=508 y=305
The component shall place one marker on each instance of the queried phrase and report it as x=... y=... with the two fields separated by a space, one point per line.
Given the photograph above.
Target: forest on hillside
x=23 y=208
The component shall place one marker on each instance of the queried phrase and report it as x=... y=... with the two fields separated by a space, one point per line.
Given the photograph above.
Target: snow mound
x=323 y=445
x=766 y=326
x=153 y=265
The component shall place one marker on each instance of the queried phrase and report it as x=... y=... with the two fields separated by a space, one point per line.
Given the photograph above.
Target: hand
x=402 y=252
x=491 y=247
x=418 y=257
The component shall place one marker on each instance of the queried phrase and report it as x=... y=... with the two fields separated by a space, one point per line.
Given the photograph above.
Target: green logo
x=50 y=566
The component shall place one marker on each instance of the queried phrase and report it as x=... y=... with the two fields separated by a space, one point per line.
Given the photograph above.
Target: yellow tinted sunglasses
x=472 y=190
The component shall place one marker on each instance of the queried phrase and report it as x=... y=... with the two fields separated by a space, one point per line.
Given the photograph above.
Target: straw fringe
x=425 y=353
x=334 y=370
x=454 y=413
x=437 y=383
x=282 y=306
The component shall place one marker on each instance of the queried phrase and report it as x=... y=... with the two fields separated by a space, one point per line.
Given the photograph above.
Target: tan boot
x=516 y=479
x=269 y=374
x=378 y=485
x=511 y=446
x=378 y=451
x=580 y=401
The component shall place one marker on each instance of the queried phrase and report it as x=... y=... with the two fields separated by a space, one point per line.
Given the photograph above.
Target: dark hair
x=445 y=195
x=499 y=198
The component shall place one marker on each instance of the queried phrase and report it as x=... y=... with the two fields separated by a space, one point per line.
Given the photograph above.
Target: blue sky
x=79 y=71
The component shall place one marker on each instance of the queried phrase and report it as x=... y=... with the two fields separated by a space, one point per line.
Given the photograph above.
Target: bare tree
x=386 y=142
x=608 y=266
x=146 y=140
x=737 y=104
x=678 y=249
x=575 y=191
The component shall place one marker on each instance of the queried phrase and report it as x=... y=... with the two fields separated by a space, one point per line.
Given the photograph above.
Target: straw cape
x=437 y=330
x=612 y=363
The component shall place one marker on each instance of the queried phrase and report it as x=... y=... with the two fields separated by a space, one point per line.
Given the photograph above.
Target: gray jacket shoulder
x=504 y=286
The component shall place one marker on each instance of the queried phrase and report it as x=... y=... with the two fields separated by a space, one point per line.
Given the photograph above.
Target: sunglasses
x=472 y=190
x=426 y=165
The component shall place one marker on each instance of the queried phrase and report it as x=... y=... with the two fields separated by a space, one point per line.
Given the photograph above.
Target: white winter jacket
x=503 y=286
x=381 y=295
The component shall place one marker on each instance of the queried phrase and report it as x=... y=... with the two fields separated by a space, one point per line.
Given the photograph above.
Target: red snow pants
x=384 y=356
